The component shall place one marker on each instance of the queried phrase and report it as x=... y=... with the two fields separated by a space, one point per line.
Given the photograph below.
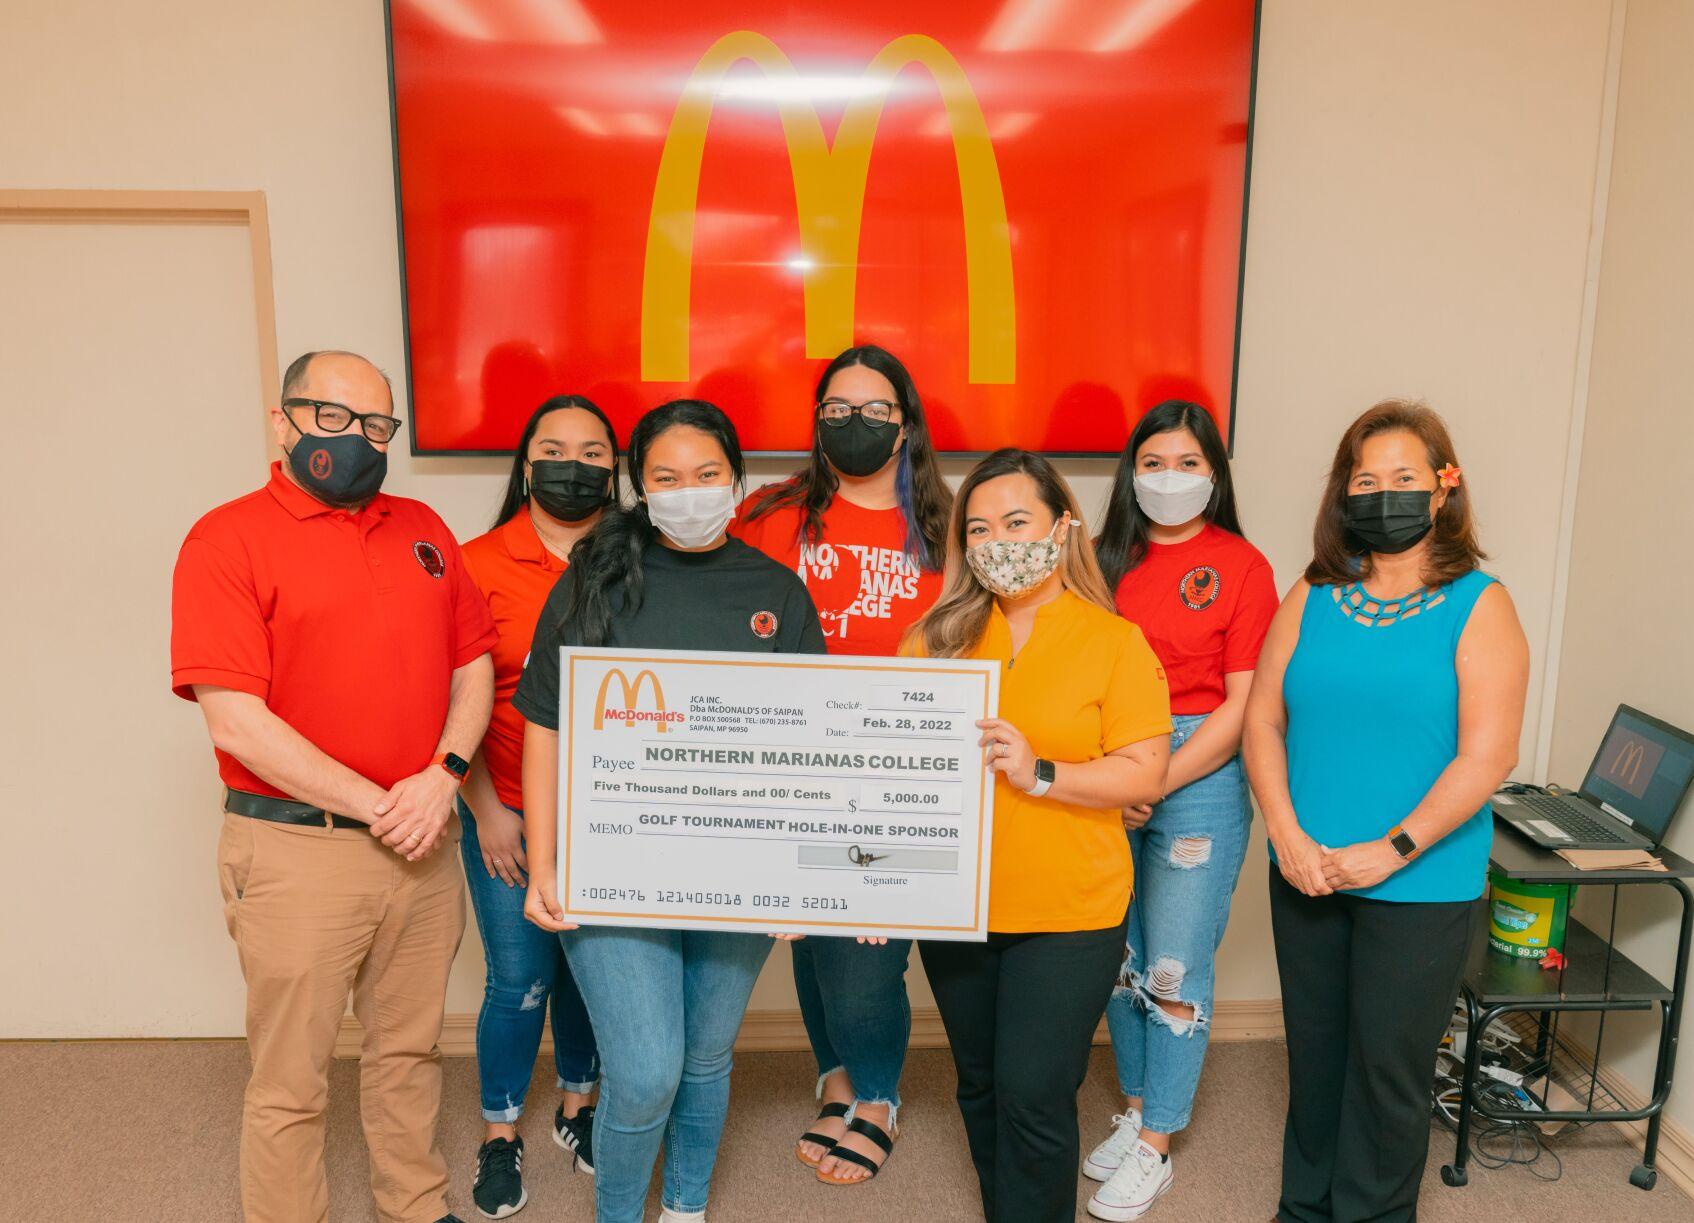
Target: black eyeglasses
x=837 y=412
x=336 y=417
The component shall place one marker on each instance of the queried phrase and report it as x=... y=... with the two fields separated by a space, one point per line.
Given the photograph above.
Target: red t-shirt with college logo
x=867 y=590
x=1205 y=605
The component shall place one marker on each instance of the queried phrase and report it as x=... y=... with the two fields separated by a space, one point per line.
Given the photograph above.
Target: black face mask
x=568 y=490
x=1388 y=522
x=344 y=470
x=856 y=449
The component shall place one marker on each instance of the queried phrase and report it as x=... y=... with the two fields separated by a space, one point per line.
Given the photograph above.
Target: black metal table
x=1596 y=977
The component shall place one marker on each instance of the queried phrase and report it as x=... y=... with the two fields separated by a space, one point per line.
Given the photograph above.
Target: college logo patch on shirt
x=429 y=556
x=1200 y=587
x=764 y=624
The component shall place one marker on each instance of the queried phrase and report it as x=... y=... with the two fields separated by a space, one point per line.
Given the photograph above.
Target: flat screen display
x=1038 y=205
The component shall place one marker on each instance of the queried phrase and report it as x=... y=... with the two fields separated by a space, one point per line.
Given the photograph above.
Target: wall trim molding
x=780 y=1031
x=245 y=208
x=1676 y=1145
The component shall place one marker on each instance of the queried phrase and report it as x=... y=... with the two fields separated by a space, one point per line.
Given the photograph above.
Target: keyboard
x=1568 y=819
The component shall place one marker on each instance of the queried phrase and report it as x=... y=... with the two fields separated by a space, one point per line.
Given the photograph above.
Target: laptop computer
x=1638 y=780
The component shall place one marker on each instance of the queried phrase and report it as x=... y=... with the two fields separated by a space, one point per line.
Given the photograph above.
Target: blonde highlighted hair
x=956 y=623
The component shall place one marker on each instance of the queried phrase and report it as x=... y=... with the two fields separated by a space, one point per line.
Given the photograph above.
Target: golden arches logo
x=631 y=694
x=1629 y=760
x=829 y=192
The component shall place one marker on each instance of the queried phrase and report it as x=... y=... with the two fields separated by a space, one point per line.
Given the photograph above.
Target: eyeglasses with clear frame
x=378 y=427
x=875 y=412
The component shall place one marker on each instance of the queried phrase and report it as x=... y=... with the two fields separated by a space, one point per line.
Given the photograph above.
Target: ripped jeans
x=526 y=973
x=1187 y=860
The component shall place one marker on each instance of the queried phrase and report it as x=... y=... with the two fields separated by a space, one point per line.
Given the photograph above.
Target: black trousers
x=1020 y=1012
x=1368 y=988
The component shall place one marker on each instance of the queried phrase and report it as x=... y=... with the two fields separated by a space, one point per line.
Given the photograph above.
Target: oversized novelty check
x=778 y=793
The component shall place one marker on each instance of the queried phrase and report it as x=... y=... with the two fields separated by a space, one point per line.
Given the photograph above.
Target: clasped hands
x=1317 y=870
x=412 y=815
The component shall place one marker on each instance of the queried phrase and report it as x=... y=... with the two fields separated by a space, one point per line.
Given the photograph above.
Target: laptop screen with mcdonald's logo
x=1642 y=771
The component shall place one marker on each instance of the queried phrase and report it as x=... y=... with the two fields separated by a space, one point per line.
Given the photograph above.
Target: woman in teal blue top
x=1385 y=711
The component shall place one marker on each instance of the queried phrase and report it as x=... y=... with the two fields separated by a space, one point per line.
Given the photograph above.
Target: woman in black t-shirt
x=662 y=575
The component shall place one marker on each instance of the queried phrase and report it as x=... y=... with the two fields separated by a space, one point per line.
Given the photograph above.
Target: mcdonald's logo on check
x=628 y=713
x=829 y=193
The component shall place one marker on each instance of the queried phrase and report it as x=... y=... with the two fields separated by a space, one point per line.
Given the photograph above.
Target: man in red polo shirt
x=339 y=653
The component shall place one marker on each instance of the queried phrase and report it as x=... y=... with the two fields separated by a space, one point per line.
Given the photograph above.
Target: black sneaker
x=576 y=1135
x=449 y=1219
x=499 y=1190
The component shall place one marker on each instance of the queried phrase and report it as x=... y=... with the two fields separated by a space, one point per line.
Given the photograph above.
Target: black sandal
x=834 y=1109
x=876 y=1134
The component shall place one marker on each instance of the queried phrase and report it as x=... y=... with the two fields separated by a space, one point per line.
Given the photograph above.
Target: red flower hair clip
x=1449 y=475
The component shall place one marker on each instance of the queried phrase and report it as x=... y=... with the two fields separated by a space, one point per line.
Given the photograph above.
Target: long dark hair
x=957 y=621
x=1453 y=550
x=1122 y=543
x=922 y=493
x=607 y=571
x=517 y=488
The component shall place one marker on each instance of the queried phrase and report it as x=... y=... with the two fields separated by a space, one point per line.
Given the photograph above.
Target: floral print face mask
x=1011 y=567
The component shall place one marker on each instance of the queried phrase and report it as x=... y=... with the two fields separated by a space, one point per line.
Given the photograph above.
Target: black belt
x=283 y=811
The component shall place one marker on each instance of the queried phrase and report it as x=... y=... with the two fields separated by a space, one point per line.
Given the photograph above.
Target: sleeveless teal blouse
x=1373 y=720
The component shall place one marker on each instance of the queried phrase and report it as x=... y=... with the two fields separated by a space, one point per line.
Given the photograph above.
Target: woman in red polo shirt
x=1172 y=550
x=564 y=473
x=864 y=524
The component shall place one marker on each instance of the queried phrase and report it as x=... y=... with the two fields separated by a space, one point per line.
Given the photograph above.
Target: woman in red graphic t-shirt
x=864 y=524
x=1171 y=547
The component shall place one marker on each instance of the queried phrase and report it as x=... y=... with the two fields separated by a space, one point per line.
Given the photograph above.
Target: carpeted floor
x=148 y=1131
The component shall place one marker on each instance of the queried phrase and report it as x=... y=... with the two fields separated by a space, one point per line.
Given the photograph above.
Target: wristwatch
x=1402 y=842
x=1046 y=772
x=458 y=766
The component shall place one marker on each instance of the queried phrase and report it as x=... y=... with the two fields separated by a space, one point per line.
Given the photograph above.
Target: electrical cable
x=1496 y=1144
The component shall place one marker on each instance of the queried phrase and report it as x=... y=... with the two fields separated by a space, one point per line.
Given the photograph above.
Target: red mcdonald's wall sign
x=1038 y=205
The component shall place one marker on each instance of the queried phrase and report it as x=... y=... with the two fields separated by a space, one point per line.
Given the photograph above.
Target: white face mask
x=692 y=517
x=1171 y=498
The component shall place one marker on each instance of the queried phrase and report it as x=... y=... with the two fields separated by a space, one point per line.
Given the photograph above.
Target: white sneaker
x=667 y=1215
x=1105 y=1158
x=1134 y=1187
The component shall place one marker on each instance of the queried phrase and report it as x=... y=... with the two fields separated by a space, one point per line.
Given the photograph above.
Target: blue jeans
x=1187 y=860
x=853 y=1001
x=666 y=1005
x=525 y=969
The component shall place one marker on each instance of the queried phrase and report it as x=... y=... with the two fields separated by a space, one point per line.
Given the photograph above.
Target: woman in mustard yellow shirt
x=1083 y=731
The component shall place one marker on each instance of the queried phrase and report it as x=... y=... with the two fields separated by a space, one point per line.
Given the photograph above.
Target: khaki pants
x=316 y=913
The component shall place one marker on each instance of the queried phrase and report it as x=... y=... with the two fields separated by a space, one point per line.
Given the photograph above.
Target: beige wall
x=1422 y=193
x=1627 y=636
